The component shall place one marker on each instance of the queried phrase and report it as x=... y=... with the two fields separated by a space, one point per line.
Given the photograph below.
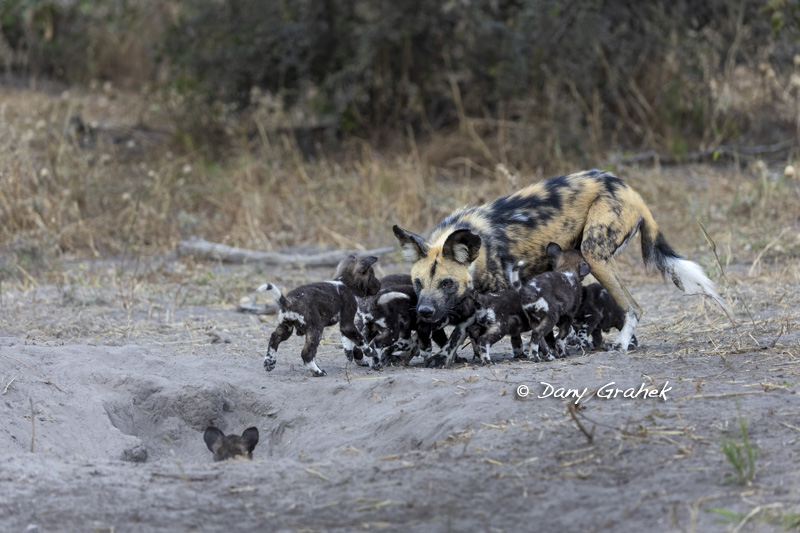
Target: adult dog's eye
x=446 y=283
x=417 y=285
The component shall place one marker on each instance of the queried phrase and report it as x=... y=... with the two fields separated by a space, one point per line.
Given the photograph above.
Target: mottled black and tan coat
x=593 y=211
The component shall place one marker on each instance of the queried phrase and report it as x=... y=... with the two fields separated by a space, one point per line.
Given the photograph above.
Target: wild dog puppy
x=366 y=322
x=310 y=308
x=388 y=321
x=226 y=447
x=551 y=299
x=597 y=313
x=498 y=314
x=592 y=211
x=391 y=322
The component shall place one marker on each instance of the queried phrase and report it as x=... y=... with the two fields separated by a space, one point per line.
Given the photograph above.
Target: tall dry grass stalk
x=138 y=189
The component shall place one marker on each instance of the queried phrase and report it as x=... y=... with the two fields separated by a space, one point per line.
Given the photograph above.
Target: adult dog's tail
x=276 y=293
x=685 y=274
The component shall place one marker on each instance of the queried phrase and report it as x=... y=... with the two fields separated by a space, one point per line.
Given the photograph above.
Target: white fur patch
x=570 y=277
x=410 y=253
x=347 y=344
x=486 y=316
x=689 y=277
x=381 y=322
x=519 y=217
x=624 y=337
x=461 y=253
x=541 y=305
x=391 y=296
x=291 y=315
x=335 y=283
x=312 y=366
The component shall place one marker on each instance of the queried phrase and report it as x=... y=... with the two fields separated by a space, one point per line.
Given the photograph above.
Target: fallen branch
x=258 y=309
x=203 y=249
x=710 y=155
x=573 y=412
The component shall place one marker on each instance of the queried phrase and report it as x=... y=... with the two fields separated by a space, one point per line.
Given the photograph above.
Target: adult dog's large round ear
x=413 y=246
x=212 y=437
x=462 y=246
x=365 y=263
x=553 y=251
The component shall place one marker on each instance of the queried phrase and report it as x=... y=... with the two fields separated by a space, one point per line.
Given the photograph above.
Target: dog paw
x=318 y=374
x=377 y=365
x=436 y=361
x=269 y=366
x=616 y=347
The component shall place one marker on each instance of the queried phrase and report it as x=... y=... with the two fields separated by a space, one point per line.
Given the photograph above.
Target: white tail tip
x=269 y=287
x=689 y=277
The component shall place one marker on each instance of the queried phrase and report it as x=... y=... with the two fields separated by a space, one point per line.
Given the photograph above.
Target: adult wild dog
x=592 y=211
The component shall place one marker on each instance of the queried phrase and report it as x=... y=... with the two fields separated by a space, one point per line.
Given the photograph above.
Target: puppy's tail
x=686 y=275
x=276 y=293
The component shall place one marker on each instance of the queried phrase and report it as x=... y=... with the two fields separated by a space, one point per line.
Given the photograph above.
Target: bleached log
x=201 y=248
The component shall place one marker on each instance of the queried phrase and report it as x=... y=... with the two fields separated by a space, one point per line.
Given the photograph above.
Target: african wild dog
x=226 y=447
x=597 y=313
x=498 y=314
x=310 y=308
x=551 y=299
x=365 y=321
x=593 y=211
x=388 y=321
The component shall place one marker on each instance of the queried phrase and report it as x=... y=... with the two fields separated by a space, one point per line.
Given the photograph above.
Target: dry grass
x=141 y=190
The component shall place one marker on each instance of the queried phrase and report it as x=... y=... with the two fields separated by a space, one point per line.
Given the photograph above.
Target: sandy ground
x=104 y=395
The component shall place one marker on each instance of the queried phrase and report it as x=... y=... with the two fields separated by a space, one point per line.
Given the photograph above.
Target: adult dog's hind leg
x=610 y=223
x=607 y=274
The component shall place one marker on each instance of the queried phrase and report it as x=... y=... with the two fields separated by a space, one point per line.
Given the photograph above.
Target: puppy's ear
x=553 y=251
x=584 y=269
x=412 y=245
x=344 y=265
x=250 y=439
x=462 y=246
x=365 y=263
x=213 y=437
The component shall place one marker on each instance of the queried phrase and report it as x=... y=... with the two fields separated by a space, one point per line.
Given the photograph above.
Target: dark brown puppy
x=366 y=321
x=499 y=314
x=552 y=299
x=310 y=308
x=226 y=447
x=597 y=313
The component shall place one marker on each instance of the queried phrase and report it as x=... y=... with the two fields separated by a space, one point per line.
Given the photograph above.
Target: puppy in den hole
x=310 y=308
x=232 y=446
